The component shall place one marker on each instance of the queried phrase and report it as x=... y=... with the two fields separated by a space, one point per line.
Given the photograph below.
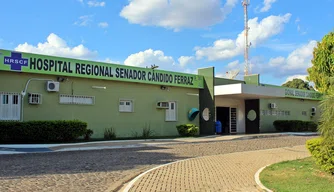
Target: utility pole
x=245 y=4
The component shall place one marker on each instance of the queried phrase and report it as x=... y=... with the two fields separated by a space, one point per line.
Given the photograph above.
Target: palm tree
x=326 y=125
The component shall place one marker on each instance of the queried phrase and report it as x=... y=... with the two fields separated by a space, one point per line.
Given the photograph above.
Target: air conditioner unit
x=52 y=86
x=313 y=110
x=163 y=104
x=272 y=105
x=35 y=98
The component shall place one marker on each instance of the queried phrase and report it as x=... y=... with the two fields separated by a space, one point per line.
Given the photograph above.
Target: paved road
x=107 y=170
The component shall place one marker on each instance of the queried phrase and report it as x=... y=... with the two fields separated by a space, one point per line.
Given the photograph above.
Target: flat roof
x=249 y=91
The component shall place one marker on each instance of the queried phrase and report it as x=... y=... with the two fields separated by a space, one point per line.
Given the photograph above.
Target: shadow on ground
x=72 y=162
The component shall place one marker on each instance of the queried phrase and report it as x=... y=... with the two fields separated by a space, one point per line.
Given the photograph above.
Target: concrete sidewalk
x=227 y=172
x=114 y=144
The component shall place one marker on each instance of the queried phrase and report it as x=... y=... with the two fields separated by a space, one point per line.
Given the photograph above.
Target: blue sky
x=178 y=35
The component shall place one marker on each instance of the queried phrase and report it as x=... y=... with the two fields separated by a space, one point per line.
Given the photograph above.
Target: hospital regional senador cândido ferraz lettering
x=107 y=71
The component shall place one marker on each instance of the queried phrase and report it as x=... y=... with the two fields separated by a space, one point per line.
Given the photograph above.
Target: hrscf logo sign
x=16 y=61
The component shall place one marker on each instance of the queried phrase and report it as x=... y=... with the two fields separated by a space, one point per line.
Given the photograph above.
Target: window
x=10 y=107
x=268 y=112
x=15 y=99
x=304 y=113
x=278 y=113
x=287 y=113
x=274 y=113
x=76 y=99
x=171 y=112
x=125 y=105
x=4 y=99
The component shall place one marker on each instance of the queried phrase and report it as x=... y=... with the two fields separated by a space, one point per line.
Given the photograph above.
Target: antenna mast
x=245 y=3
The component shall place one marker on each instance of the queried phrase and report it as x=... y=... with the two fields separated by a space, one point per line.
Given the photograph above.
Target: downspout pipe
x=23 y=93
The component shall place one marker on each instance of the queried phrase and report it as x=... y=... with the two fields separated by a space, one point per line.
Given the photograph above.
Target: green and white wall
x=104 y=96
x=104 y=113
x=287 y=109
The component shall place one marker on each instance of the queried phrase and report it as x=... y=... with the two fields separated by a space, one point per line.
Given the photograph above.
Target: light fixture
x=193 y=94
x=99 y=87
x=61 y=79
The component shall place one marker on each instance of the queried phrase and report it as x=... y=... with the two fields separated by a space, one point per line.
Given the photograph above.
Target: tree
x=298 y=84
x=322 y=69
x=326 y=126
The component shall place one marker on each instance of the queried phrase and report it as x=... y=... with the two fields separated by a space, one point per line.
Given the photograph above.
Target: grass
x=298 y=175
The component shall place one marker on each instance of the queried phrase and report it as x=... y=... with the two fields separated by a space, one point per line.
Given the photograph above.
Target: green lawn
x=299 y=175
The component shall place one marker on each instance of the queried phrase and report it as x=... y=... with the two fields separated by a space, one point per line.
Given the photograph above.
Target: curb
x=257 y=179
x=33 y=148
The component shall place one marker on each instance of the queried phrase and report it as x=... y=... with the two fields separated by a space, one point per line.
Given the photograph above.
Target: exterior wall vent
x=35 y=98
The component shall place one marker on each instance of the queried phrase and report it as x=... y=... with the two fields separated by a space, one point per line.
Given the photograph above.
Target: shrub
x=134 y=134
x=42 y=131
x=312 y=126
x=187 y=129
x=323 y=153
x=295 y=125
x=88 y=134
x=109 y=133
x=147 y=132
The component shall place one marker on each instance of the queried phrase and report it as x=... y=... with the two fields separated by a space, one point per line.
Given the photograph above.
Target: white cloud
x=96 y=4
x=280 y=46
x=84 y=20
x=259 y=32
x=103 y=24
x=300 y=59
x=150 y=57
x=296 y=62
x=267 y=5
x=297 y=20
x=275 y=62
x=233 y=64
x=177 y=14
x=58 y=47
x=191 y=71
x=108 y=60
x=185 y=60
x=80 y=1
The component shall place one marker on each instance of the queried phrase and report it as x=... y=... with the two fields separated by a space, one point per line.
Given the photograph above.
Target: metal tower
x=245 y=3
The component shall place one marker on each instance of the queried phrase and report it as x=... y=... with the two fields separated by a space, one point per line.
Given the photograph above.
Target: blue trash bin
x=218 y=126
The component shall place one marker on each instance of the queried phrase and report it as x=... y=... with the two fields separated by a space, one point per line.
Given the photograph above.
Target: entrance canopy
x=248 y=91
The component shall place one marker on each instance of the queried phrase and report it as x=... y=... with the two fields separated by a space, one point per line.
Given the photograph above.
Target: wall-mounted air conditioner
x=163 y=104
x=272 y=105
x=35 y=98
x=52 y=86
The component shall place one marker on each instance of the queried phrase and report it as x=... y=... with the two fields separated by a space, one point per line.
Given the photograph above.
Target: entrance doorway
x=223 y=115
